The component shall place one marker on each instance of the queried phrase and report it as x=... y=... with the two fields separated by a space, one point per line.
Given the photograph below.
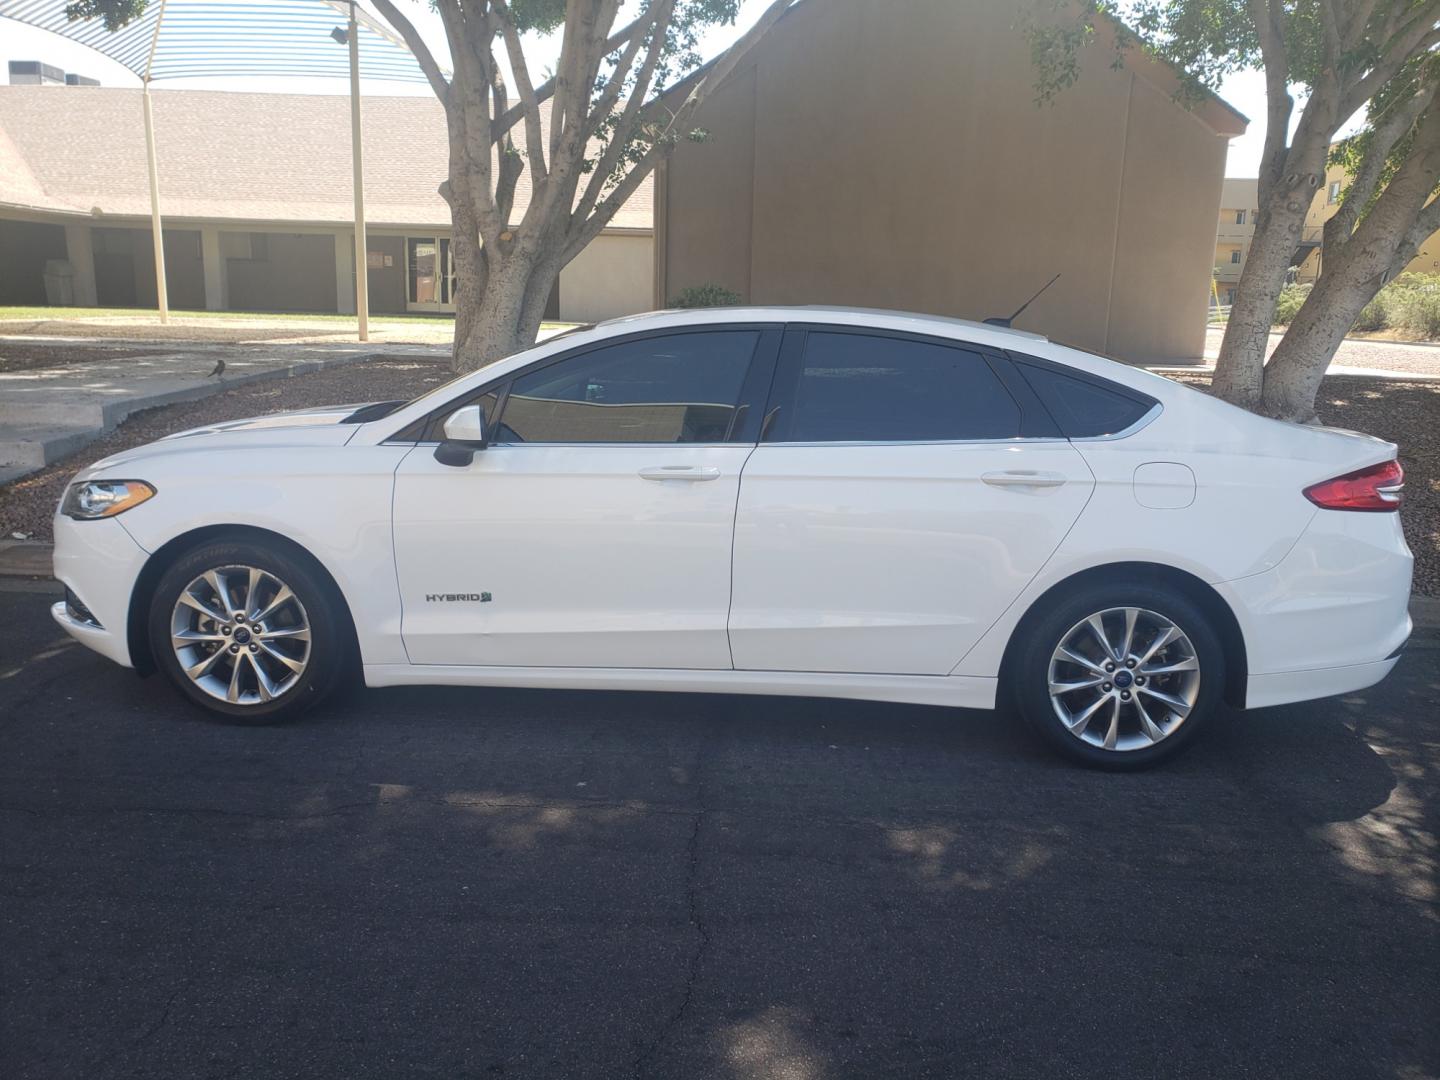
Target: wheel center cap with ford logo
x=242 y=635
x=1123 y=679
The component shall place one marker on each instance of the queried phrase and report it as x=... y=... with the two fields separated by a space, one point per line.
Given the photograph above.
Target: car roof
x=879 y=318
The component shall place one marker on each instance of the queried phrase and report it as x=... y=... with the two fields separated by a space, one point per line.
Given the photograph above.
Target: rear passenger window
x=1084 y=408
x=862 y=388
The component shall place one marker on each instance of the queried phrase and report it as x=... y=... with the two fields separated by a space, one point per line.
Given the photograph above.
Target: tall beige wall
x=893 y=155
x=613 y=276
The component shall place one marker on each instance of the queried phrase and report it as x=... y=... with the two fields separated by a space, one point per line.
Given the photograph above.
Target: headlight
x=103 y=498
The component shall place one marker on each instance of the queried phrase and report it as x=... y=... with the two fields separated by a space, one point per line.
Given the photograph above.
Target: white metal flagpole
x=362 y=276
x=156 y=236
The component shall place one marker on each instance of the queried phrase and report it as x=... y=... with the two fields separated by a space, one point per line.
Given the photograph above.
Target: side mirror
x=464 y=434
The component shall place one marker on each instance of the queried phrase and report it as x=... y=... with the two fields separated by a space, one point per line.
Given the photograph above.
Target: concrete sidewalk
x=49 y=411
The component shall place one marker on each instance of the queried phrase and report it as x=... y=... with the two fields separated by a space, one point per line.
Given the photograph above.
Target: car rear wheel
x=248 y=632
x=1119 y=677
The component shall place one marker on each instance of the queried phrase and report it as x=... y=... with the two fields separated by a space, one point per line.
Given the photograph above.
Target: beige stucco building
x=256 y=200
x=893 y=155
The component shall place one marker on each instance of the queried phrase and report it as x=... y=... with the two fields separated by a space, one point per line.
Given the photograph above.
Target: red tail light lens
x=1377 y=487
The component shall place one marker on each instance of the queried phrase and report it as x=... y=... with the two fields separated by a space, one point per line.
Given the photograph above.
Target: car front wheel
x=1120 y=677
x=248 y=631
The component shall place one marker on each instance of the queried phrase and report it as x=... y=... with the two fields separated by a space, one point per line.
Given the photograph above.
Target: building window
x=1334 y=195
x=1235 y=256
x=1229 y=296
x=1239 y=217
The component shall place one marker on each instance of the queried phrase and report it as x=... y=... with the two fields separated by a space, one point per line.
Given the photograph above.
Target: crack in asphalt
x=159 y=1022
x=697 y=921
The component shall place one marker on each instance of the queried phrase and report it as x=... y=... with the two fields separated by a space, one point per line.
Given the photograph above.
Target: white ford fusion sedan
x=804 y=501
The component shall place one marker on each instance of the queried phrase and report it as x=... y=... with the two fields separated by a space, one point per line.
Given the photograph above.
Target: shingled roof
x=233 y=157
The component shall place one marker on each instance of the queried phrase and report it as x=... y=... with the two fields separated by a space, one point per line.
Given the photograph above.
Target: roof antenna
x=1000 y=320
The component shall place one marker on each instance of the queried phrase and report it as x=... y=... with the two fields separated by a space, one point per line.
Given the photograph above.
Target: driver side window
x=677 y=388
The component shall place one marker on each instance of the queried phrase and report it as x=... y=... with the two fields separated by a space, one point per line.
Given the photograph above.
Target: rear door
x=905 y=490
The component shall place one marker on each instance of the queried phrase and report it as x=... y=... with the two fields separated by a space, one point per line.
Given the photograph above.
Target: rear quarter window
x=1083 y=405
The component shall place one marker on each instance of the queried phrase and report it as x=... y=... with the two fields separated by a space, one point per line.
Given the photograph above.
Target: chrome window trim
x=720 y=445
x=1124 y=433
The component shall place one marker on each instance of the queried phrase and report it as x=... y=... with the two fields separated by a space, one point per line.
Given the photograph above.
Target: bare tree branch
x=1267 y=17
x=546 y=90
x=1418 y=35
x=583 y=231
x=534 y=140
x=1354 y=30
x=468 y=114
x=622 y=131
x=1389 y=129
x=406 y=29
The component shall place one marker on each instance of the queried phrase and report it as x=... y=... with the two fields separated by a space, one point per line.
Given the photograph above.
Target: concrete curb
x=31 y=559
x=58 y=439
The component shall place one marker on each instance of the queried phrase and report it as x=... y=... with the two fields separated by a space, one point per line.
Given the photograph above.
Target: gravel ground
x=1414 y=359
x=27 y=505
x=1405 y=412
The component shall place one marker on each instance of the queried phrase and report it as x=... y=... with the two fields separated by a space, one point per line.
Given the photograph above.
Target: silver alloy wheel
x=1124 y=679
x=240 y=634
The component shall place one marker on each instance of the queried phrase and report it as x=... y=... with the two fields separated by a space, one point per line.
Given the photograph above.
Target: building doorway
x=430 y=274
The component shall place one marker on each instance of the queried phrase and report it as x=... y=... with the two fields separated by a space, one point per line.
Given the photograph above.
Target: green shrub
x=1291 y=297
x=707 y=295
x=1409 y=305
x=1372 y=316
x=1412 y=309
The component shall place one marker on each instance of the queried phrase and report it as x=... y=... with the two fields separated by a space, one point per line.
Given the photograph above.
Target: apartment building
x=1238 y=209
x=1322 y=209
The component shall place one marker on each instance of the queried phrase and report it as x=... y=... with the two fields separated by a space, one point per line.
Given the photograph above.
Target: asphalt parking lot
x=438 y=883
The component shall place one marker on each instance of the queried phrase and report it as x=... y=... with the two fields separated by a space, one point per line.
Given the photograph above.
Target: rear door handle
x=680 y=472
x=1023 y=478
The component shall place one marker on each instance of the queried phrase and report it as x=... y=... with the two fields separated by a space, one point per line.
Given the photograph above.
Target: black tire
x=330 y=642
x=1028 y=672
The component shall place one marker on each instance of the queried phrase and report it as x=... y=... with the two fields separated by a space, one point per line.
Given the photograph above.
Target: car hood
x=303 y=427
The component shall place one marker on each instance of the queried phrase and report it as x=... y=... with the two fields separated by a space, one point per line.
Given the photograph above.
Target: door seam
x=734 y=526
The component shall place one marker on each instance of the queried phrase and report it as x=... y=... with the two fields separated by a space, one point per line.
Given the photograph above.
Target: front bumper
x=100 y=563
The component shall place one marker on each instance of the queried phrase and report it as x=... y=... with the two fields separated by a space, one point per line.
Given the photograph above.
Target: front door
x=595 y=530
x=893 y=510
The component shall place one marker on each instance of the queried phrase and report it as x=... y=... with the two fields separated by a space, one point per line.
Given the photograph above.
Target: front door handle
x=680 y=472
x=1023 y=478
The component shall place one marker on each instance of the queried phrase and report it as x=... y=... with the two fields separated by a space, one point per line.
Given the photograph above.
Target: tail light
x=1377 y=487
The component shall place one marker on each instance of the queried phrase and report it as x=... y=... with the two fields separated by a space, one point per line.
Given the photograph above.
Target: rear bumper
x=1331 y=617
x=1283 y=687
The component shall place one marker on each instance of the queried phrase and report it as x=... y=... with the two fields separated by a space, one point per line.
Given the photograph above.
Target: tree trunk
x=496 y=325
x=1385 y=240
x=1293 y=376
x=1239 y=369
